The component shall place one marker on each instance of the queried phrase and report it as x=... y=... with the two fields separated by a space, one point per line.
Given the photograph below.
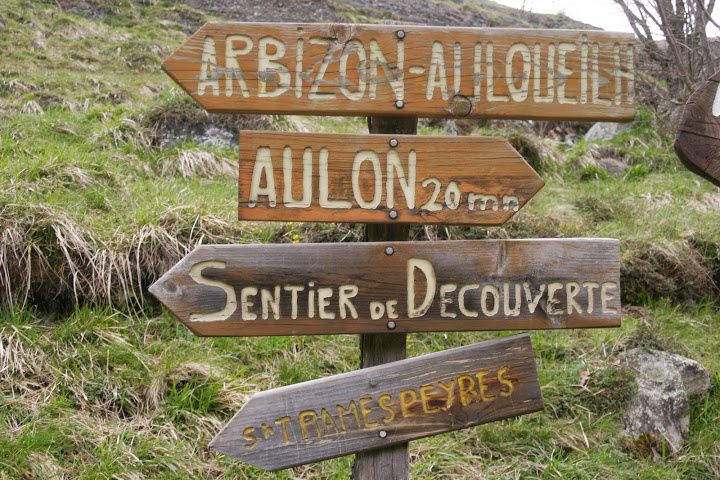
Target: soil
x=268 y=10
x=464 y=13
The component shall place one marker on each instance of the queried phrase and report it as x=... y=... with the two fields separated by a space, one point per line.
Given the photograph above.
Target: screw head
x=382 y=434
x=399 y=104
x=389 y=251
x=391 y=325
x=400 y=34
x=393 y=215
x=394 y=142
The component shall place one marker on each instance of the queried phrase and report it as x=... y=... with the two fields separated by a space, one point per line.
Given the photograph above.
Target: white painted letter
x=444 y=301
x=263 y=165
x=245 y=303
x=437 y=76
x=232 y=67
x=360 y=157
x=564 y=73
x=208 y=69
x=407 y=185
x=606 y=297
x=518 y=94
x=288 y=199
x=324 y=295
x=429 y=273
x=269 y=68
x=461 y=300
x=487 y=291
x=353 y=46
x=325 y=201
x=269 y=302
x=345 y=293
x=230 y=303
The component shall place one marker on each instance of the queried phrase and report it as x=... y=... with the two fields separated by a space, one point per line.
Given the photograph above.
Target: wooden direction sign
x=408 y=70
x=381 y=406
x=281 y=289
x=381 y=178
x=698 y=142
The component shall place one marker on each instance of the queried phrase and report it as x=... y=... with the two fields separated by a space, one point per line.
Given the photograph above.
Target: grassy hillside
x=97 y=382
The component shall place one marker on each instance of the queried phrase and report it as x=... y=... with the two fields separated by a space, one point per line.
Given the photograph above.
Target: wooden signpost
x=408 y=70
x=698 y=142
x=381 y=178
x=306 y=289
x=386 y=287
x=381 y=406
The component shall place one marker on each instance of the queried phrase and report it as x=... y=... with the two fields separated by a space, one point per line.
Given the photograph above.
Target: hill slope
x=109 y=174
x=473 y=13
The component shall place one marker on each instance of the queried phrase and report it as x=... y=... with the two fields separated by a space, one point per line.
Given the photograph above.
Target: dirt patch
x=269 y=10
x=438 y=12
x=425 y=13
x=93 y=9
x=175 y=124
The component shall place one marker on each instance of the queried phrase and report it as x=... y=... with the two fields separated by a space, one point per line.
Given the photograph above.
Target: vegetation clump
x=107 y=179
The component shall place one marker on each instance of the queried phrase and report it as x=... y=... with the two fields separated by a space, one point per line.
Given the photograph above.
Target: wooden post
x=375 y=349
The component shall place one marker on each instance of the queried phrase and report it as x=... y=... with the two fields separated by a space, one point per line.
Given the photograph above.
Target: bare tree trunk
x=688 y=59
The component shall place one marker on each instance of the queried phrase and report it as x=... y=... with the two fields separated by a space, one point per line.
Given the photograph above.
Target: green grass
x=104 y=393
x=95 y=392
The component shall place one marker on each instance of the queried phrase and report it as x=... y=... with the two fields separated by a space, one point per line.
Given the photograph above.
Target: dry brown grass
x=198 y=163
x=48 y=259
x=663 y=269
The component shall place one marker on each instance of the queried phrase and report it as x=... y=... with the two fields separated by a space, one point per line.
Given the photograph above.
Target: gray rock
x=696 y=378
x=605 y=131
x=606 y=157
x=660 y=410
x=612 y=165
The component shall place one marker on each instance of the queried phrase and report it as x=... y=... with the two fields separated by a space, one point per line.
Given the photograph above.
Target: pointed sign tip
x=159 y=288
x=153 y=289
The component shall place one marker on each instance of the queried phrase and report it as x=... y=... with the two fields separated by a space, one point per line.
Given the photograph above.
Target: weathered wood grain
x=364 y=288
x=385 y=405
x=698 y=140
x=381 y=178
x=344 y=69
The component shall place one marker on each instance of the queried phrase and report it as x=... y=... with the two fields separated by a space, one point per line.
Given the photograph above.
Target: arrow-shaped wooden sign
x=246 y=290
x=382 y=178
x=408 y=70
x=698 y=141
x=381 y=406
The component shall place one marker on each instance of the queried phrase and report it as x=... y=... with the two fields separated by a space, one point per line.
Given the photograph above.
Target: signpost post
x=390 y=179
x=378 y=349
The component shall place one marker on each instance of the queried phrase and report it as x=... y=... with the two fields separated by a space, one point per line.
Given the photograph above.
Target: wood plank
x=381 y=178
x=306 y=289
x=393 y=462
x=347 y=69
x=698 y=141
x=385 y=405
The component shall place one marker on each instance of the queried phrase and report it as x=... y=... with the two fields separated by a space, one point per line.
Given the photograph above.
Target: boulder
x=612 y=165
x=657 y=418
x=605 y=157
x=605 y=131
